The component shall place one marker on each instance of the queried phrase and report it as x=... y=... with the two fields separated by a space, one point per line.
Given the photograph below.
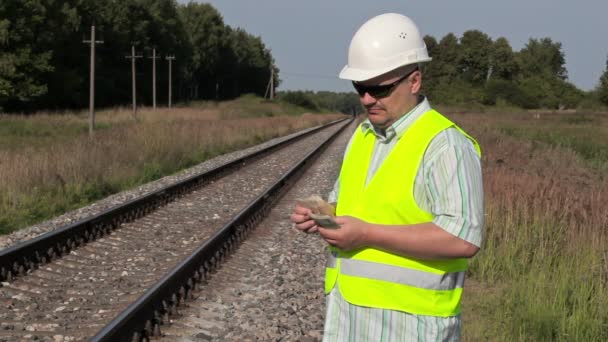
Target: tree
x=23 y=65
x=44 y=63
x=448 y=56
x=443 y=68
x=247 y=64
x=476 y=52
x=542 y=74
x=504 y=66
x=431 y=45
x=347 y=103
x=206 y=31
x=542 y=58
x=602 y=88
x=507 y=91
x=430 y=71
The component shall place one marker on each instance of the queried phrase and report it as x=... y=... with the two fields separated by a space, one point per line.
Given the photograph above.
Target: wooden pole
x=92 y=81
x=154 y=58
x=170 y=59
x=133 y=79
x=271 y=82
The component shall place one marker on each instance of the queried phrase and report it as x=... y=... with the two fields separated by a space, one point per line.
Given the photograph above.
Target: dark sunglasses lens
x=373 y=91
x=381 y=91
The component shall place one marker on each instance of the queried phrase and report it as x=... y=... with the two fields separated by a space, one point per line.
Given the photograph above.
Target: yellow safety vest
x=374 y=278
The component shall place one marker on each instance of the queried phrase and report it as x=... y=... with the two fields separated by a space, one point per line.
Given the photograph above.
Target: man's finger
x=332 y=242
x=298 y=218
x=328 y=233
x=304 y=226
x=340 y=219
x=312 y=229
x=300 y=210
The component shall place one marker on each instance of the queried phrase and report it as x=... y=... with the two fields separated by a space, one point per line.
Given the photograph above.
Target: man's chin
x=375 y=116
x=376 y=122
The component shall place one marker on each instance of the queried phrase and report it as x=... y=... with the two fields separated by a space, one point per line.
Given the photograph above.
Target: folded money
x=325 y=221
x=317 y=205
x=323 y=213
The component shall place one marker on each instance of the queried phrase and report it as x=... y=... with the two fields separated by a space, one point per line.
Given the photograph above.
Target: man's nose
x=367 y=99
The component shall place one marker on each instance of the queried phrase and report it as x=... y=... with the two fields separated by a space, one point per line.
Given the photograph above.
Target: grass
x=16 y=132
x=542 y=273
x=586 y=134
x=48 y=164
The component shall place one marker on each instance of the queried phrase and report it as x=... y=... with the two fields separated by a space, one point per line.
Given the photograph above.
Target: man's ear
x=416 y=82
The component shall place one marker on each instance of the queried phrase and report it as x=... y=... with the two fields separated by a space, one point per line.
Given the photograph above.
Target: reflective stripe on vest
x=374 y=278
x=399 y=275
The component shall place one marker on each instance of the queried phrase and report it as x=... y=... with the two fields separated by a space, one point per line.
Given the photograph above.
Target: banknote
x=322 y=212
x=317 y=205
x=325 y=221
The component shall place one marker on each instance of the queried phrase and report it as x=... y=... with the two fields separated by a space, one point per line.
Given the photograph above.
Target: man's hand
x=351 y=234
x=302 y=221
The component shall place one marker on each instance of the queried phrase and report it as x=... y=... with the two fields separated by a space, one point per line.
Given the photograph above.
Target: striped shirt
x=448 y=185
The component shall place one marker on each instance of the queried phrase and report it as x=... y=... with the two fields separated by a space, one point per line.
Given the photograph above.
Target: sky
x=309 y=39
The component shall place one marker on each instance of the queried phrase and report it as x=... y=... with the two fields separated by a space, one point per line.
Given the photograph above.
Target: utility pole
x=271 y=82
x=92 y=81
x=154 y=58
x=267 y=89
x=133 y=84
x=270 y=86
x=170 y=59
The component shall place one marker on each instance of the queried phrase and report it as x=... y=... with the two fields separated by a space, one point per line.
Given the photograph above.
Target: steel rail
x=18 y=259
x=142 y=319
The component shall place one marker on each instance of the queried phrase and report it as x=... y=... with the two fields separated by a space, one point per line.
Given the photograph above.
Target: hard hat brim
x=358 y=75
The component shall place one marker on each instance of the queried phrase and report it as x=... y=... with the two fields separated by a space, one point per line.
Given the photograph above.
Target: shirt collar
x=398 y=127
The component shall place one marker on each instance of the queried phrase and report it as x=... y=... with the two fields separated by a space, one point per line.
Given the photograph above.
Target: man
x=409 y=201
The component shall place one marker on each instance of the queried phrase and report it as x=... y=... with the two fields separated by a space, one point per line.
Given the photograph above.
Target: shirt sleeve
x=333 y=194
x=454 y=186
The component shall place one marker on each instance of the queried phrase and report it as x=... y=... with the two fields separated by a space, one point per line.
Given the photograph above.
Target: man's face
x=396 y=99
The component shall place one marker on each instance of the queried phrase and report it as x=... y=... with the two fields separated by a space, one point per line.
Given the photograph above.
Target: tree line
x=476 y=69
x=44 y=63
x=343 y=102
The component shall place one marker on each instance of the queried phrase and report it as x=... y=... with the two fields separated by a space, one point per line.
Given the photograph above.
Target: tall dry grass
x=44 y=173
x=542 y=273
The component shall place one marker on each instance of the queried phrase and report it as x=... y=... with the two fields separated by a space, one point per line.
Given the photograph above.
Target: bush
x=501 y=91
x=301 y=99
x=454 y=92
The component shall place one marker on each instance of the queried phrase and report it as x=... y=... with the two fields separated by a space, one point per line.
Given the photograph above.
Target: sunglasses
x=380 y=91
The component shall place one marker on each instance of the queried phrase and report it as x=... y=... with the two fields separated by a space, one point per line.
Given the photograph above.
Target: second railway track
x=75 y=296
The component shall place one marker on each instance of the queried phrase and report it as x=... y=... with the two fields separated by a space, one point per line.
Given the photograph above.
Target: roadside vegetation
x=542 y=273
x=48 y=165
x=584 y=133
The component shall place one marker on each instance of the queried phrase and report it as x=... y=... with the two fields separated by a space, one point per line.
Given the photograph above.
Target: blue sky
x=309 y=39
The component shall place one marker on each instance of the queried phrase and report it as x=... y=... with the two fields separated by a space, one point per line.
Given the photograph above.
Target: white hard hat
x=384 y=43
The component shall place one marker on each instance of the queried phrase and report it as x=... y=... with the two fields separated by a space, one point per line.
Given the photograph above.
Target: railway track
x=125 y=284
